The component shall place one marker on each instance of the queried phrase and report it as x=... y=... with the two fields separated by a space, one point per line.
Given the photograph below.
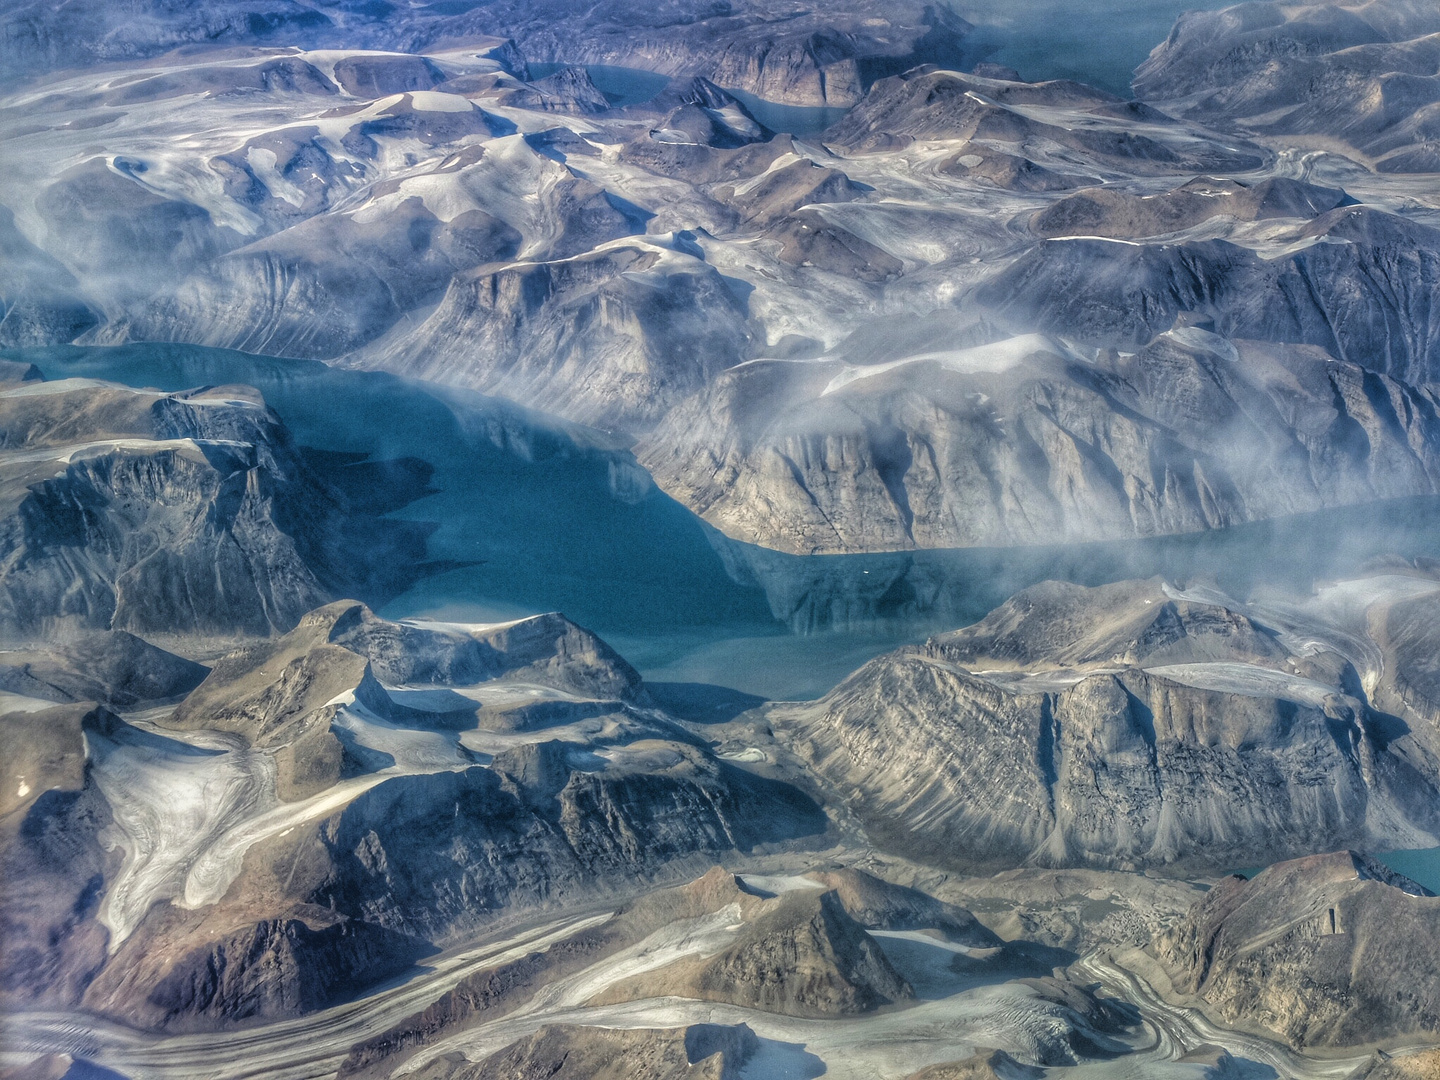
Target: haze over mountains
x=1099 y=414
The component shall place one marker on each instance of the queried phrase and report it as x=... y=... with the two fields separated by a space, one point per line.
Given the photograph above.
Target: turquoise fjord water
x=533 y=510
x=1100 y=42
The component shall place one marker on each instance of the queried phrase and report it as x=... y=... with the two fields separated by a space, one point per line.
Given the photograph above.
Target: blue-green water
x=529 y=503
x=1099 y=42
x=621 y=86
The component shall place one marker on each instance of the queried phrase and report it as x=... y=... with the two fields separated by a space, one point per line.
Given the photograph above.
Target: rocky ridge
x=1113 y=727
x=1313 y=949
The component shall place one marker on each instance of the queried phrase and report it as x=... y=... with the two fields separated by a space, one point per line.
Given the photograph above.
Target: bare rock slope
x=1327 y=951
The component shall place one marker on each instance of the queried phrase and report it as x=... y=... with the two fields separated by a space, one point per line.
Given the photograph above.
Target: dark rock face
x=809 y=958
x=804 y=957
x=614 y=337
x=928 y=104
x=877 y=904
x=985 y=1065
x=52 y=864
x=1315 y=950
x=269 y=970
x=499 y=990
x=1022 y=442
x=174 y=513
x=699 y=1052
x=501 y=846
x=1358 y=74
x=1367 y=296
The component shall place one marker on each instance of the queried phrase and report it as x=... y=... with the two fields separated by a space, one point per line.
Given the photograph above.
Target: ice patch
x=994 y=358
x=1247 y=680
x=439 y=102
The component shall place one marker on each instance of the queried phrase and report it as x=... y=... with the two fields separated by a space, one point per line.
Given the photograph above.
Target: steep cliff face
x=1315 y=950
x=1024 y=442
x=1357 y=74
x=807 y=957
x=186 y=513
x=1113 y=727
x=926 y=104
x=295 y=963
x=1121 y=770
x=526 y=842
x=1361 y=286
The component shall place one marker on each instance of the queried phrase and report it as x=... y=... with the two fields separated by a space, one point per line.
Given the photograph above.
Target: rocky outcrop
x=497 y=991
x=985 y=1065
x=1420 y=1065
x=186 y=513
x=403 y=853
x=344 y=647
x=1122 y=215
x=1315 y=950
x=807 y=957
x=1220 y=749
x=1057 y=624
x=177 y=978
x=286 y=694
x=1356 y=74
x=877 y=904
x=699 y=1052
x=53 y=863
x=1025 y=442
